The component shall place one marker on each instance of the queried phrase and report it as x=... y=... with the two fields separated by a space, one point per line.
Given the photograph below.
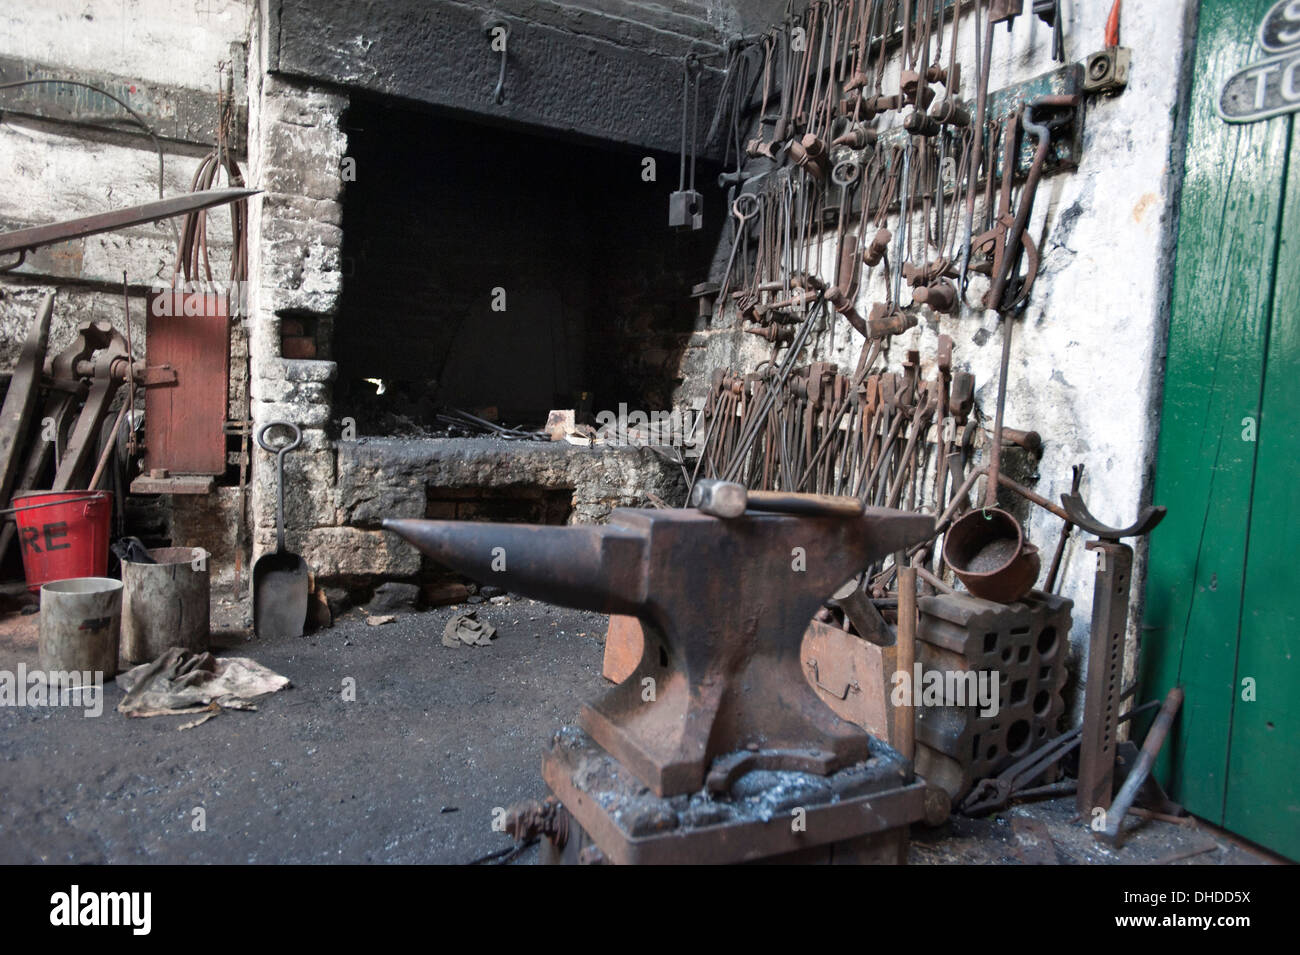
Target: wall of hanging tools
x=947 y=230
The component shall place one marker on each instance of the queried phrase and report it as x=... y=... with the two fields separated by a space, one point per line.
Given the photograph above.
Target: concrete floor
x=409 y=772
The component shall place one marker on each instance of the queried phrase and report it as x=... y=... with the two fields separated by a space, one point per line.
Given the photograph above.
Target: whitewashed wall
x=51 y=171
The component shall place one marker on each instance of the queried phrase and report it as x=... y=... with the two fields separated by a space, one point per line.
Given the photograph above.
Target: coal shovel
x=279 y=578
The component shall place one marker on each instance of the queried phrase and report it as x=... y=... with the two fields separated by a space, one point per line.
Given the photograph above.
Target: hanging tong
x=1008 y=240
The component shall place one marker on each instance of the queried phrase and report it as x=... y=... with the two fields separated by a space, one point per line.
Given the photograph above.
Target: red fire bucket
x=63 y=534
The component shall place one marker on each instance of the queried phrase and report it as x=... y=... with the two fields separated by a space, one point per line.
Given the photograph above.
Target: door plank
x=1229 y=216
x=1263 y=798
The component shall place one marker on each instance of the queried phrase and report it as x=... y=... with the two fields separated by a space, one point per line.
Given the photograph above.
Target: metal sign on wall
x=1271 y=86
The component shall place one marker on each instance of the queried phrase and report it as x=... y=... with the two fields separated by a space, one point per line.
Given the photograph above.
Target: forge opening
x=503 y=273
x=512 y=504
x=518 y=504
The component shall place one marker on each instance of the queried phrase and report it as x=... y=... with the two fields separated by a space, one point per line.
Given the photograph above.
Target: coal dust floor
x=1052 y=832
x=437 y=741
x=412 y=771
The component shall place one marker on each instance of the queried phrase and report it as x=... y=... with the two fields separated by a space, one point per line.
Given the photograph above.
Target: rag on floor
x=466 y=628
x=182 y=681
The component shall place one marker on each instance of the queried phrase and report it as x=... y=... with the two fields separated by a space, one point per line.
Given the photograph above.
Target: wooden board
x=1263 y=797
x=20 y=399
x=185 y=421
x=185 y=484
x=624 y=642
x=173 y=112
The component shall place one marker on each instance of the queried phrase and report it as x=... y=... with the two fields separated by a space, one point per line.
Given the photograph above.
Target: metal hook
x=499 y=94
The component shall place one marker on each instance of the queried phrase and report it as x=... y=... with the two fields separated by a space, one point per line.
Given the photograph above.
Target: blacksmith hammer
x=729 y=500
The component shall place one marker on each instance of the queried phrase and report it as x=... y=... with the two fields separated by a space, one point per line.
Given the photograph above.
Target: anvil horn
x=598 y=568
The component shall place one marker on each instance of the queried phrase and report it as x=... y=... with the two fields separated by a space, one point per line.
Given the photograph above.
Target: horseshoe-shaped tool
x=1146 y=521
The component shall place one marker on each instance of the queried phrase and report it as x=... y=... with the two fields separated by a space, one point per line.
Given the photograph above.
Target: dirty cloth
x=131 y=550
x=466 y=628
x=182 y=681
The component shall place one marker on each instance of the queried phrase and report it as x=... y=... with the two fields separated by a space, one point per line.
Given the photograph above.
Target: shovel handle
x=279 y=471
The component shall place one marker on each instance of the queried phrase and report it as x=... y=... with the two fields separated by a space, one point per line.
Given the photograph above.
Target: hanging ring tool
x=744 y=208
x=499 y=32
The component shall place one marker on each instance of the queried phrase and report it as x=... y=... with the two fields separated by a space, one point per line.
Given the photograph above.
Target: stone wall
x=395 y=478
x=96 y=160
x=337 y=491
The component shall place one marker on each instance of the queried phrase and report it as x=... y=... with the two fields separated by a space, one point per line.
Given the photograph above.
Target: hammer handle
x=815 y=505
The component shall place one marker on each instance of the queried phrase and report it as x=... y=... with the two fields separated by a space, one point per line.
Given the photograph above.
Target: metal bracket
x=1067 y=130
x=176 y=113
x=1107 y=70
x=1146 y=521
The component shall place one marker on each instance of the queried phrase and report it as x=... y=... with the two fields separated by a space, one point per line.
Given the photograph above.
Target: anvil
x=724 y=605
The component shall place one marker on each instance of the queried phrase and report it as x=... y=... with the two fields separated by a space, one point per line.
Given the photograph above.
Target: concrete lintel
x=580 y=84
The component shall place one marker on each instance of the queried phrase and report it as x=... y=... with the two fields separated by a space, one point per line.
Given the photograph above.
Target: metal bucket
x=64 y=534
x=988 y=552
x=165 y=604
x=80 y=623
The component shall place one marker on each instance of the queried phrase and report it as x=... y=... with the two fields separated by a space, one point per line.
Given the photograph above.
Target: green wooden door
x=1224 y=574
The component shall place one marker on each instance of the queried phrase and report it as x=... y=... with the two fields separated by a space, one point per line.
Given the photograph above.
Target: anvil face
x=724 y=603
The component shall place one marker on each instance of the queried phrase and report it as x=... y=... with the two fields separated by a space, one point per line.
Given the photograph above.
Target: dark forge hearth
x=505 y=274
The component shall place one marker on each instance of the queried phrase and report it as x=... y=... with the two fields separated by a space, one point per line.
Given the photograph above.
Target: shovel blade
x=279 y=595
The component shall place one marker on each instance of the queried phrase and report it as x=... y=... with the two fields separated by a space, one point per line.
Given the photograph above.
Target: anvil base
x=858 y=814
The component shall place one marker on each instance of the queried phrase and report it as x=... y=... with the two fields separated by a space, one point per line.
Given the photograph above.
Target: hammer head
x=724 y=499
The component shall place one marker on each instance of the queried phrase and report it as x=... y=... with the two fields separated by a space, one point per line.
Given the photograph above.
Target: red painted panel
x=184 y=421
